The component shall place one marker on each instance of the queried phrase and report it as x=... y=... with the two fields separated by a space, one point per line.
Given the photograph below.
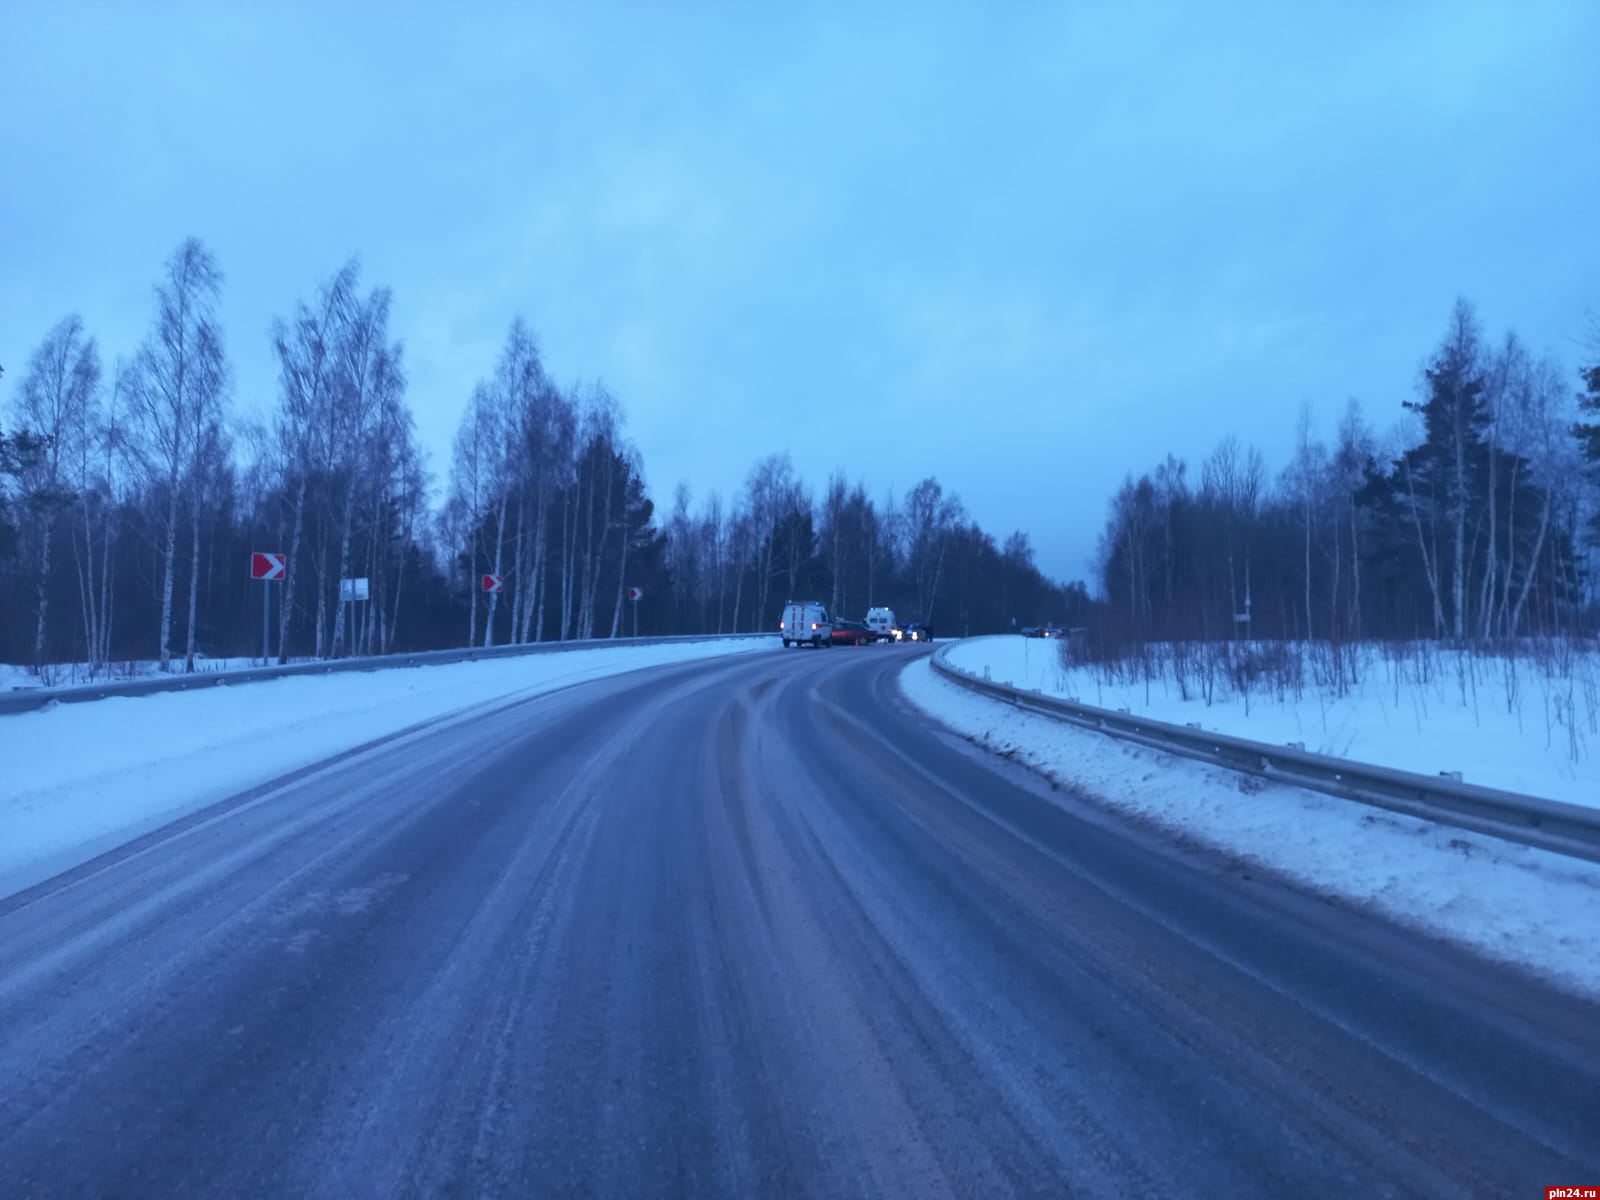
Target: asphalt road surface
x=745 y=927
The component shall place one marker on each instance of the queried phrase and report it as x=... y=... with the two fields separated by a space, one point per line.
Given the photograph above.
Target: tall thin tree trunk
x=292 y=573
x=568 y=536
x=622 y=572
x=541 y=539
x=346 y=519
x=1459 y=575
x=85 y=594
x=585 y=598
x=1309 y=634
x=1492 y=561
x=91 y=597
x=328 y=597
x=394 y=607
x=1511 y=551
x=194 y=587
x=44 y=588
x=1338 y=566
x=722 y=583
x=106 y=589
x=168 y=563
x=1355 y=574
x=1428 y=562
x=1533 y=565
x=499 y=546
x=519 y=588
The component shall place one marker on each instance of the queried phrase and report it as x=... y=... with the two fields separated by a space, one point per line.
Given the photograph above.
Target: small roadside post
x=350 y=591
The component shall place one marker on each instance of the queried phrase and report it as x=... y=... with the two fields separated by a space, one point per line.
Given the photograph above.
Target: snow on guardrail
x=1567 y=829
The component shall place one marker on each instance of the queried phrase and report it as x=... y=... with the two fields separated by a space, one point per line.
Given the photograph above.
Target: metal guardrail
x=32 y=699
x=1569 y=829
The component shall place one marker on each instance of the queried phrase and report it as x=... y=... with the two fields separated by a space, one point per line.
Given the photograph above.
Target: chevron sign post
x=267 y=566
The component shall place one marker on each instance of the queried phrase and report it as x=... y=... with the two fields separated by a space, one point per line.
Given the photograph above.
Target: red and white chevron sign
x=266 y=566
x=635 y=593
x=493 y=583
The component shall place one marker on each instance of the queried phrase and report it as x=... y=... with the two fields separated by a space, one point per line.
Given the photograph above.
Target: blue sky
x=1025 y=248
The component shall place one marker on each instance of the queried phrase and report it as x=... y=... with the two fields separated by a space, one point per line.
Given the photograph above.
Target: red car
x=852 y=633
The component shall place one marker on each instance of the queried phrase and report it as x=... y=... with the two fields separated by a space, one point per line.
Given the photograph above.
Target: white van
x=881 y=622
x=806 y=622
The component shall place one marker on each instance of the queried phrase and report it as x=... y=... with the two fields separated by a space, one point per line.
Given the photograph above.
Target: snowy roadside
x=73 y=675
x=80 y=779
x=1502 y=724
x=1512 y=903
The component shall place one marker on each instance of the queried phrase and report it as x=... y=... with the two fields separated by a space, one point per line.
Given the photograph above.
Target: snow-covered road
x=1509 y=902
x=81 y=778
x=746 y=926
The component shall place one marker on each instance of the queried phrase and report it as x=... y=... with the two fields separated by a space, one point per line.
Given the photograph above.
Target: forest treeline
x=1473 y=519
x=133 y=491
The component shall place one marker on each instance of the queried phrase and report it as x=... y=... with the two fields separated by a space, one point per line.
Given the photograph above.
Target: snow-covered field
x=81 y=778
x=1506 y=725
x=1519 y=905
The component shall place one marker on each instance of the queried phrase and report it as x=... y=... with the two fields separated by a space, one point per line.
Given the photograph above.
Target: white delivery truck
x=881 y=622
x=806 y=622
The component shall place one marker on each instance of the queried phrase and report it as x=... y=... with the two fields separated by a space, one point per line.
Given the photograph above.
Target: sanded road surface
x=744 y=927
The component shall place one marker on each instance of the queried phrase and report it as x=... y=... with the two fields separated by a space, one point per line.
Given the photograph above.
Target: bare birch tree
x=176 y=389
x=57 y=399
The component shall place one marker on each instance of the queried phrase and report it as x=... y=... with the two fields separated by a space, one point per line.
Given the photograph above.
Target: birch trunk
x=499 y=545
x=519 y=590
x=194 y=584
x=1533 y=565
x=541 y=510
x=1511 y=552
x=568 y=536
x=346 y=519
x=44 y=589
x=1459 y=575
x=168 y=561
x=1428 y=562
x=292 y=574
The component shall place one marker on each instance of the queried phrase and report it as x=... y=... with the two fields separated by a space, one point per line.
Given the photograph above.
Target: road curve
x=744 y=927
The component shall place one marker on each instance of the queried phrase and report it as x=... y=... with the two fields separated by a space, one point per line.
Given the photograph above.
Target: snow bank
x=1524 y=906
x=79 y=779
x=66 y=675
x=1503 y=725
